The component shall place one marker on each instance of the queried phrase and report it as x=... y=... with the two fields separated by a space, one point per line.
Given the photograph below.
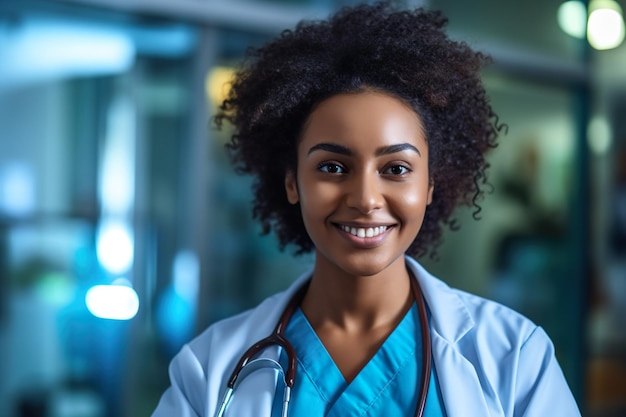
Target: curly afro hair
x=404 y=53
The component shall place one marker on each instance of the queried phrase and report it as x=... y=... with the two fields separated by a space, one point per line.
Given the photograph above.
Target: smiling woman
x=363 y=133
x=363 y=214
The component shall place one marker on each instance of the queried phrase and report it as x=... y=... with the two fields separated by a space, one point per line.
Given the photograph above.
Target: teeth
x=364 y=232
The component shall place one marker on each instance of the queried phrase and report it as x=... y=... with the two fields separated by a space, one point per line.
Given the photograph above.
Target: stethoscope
x=247 y=364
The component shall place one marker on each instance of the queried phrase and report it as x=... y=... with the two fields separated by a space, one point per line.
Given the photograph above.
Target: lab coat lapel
x=449 y=317
x=450 y=321
x=460 y=387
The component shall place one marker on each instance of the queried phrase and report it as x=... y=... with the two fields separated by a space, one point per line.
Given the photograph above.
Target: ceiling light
x=572 y=18
x=114 y=302
x=605 y=27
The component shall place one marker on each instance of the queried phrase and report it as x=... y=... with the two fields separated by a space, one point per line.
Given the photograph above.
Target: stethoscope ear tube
x=229 y=393
x=250 y=367
x=286 y=398
x=227 y=396
x=426 y=348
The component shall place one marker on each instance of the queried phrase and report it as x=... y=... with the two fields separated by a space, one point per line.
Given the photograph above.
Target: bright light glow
x=39 y=49
x=115 y=302
x=117 y=174
x=114 y=246
x=572 y=18
x=599 y=135
x=217 y=84
x=605 y=28
x=186 y=279
x=17 y=190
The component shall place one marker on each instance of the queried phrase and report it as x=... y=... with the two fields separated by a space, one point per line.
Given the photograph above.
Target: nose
x=364 y=192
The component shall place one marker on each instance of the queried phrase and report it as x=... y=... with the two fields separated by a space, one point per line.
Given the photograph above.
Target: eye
x=396 y=170
x=332 y=168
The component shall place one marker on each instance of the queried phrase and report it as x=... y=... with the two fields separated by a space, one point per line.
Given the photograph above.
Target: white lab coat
x=490 y=360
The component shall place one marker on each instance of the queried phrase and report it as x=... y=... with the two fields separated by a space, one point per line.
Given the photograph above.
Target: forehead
x=368 y=117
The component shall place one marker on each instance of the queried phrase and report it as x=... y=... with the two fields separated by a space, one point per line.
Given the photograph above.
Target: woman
x=363 y=133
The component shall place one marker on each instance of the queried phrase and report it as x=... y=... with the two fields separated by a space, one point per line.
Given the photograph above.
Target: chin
x=367 y=264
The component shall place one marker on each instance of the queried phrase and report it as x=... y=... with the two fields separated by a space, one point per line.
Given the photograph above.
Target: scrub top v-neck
x=388 y=385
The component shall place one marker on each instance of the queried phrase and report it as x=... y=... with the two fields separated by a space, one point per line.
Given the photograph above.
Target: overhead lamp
x=572 y=18
x=602 y=22
x=115 y=246
x=605 y=26
x=113 y=302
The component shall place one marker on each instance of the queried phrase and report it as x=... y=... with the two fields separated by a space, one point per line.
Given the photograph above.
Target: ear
x=291 y=187
x=431 y=188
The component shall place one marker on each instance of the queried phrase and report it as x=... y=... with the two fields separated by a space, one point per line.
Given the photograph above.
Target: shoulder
x=496 y=321
x=515 y=358
x=199 y=371
x=457 y=315
x=493 y=329
x=220 y=345
x=237 y=333
x=493 y=337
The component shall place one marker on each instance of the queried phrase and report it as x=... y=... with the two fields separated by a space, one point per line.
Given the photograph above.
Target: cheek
x=316 y=199
x=315 y=191
x=416 y=198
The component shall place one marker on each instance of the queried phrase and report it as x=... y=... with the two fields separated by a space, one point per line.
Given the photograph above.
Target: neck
x=357 y=303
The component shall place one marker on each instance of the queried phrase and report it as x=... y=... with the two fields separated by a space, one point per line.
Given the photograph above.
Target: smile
x=364 y=231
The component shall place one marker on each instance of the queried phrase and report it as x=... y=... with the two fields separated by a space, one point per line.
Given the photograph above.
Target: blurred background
x=124 y=232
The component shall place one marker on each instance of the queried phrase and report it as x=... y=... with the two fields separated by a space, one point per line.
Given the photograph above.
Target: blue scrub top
x=388 y=385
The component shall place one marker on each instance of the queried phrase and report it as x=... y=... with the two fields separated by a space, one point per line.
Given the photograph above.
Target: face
x=362 y=181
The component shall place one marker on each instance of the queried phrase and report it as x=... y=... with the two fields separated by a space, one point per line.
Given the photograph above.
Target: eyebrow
x=400 y=147
x=383 y=150
x=331 y=147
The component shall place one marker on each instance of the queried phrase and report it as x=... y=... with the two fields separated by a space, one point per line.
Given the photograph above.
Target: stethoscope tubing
x=426 y=348
x=277 y=338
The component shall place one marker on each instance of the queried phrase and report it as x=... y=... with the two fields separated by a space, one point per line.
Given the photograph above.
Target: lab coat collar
x=449 y=316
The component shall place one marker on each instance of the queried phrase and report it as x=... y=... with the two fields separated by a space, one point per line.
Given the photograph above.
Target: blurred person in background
x=364 y=132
